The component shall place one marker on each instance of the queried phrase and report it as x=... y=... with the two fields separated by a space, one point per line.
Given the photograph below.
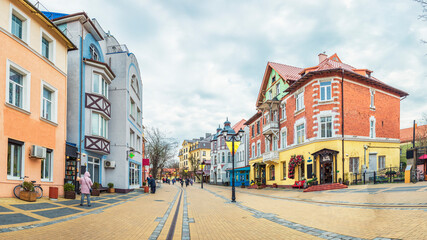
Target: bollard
x=356 y=178
x=375 y=177
x=364 y=175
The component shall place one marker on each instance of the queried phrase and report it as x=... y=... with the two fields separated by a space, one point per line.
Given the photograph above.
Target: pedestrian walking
x=152 y=183
x=182 y=183
x=191 y=182
x=85 y=188
x=186 y=182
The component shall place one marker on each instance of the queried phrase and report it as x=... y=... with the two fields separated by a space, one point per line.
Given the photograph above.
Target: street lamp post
x=232 y=137
x=202 y=166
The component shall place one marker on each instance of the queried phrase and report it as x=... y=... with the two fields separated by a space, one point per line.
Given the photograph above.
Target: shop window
x=14 y=159
x=284 y=170
x=93 y=168
x=46 y=166
x=272 y=172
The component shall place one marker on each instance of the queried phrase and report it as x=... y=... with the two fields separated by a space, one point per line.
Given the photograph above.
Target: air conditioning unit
x=110 y=164
x=38 y=152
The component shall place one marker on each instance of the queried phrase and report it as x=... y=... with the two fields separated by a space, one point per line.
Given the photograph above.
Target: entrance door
x=326 y=173
x=372 y=166
x=263 y=175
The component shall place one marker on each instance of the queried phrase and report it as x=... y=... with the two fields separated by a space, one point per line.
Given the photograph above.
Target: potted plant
x=95 y=189
x=146 y=189
x=259 y=185
x=27 y=193
x=243 y=185
x=274 y=185
x=111 y=188
x=69 y=192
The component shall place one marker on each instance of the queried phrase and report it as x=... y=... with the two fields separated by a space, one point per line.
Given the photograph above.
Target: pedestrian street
x=176 y=212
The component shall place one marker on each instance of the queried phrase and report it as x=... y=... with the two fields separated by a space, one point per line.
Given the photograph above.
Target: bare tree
x=160 y=150
x=423 y=3
x=194 y=164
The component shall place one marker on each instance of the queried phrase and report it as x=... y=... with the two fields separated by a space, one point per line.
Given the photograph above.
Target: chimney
x=322 y=57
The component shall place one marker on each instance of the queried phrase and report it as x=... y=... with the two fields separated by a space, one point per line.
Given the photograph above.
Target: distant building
x=418 y=154
x=192 y=154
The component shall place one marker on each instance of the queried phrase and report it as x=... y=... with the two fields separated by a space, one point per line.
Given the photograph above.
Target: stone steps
x=324 y=187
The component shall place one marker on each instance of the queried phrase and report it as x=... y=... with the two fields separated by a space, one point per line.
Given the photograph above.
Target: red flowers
x=296 y=160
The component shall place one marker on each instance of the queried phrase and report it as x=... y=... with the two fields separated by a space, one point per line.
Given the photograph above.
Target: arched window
x=94 y=53
x=272 y=172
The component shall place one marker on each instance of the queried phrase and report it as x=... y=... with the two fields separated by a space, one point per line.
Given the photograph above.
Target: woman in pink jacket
x=85 y=186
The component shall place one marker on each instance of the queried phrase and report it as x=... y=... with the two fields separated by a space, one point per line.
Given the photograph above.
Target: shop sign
x=326 y=158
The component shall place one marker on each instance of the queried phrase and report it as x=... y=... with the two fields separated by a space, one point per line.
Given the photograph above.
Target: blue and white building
x=104 y=101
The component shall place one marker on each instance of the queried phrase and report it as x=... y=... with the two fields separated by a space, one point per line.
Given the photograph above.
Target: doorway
x=326 y=172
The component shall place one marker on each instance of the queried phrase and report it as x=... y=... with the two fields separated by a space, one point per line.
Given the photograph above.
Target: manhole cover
x=159 y=200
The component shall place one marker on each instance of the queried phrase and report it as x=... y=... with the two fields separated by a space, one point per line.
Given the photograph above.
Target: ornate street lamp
x=202 y=166
x=233 y=137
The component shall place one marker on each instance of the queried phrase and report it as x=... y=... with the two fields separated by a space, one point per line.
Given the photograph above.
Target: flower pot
x=111 y=190
x=274 y=185
x=146 y=189
x=28 y=196
x=70 y=195
x=95 y=192
x=243 y=186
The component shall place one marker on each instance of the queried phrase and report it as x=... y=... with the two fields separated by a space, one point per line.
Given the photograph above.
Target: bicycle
x=37 y=188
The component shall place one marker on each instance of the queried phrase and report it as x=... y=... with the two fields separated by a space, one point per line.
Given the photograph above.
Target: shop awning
x=246 y=168
x=423 y=157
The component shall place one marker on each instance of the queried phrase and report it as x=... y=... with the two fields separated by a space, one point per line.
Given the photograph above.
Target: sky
x=203 y=61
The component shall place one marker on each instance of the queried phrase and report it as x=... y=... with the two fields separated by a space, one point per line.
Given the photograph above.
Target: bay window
x=99 y=125
x=99 y=85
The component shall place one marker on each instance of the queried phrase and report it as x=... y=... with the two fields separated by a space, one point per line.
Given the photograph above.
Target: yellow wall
x=35 y=32
x=351 y=149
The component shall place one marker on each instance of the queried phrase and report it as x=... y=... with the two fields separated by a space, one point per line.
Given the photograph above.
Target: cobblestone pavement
x=390 y=211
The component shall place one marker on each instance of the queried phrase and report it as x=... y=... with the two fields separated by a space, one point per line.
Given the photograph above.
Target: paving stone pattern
x=55 y=213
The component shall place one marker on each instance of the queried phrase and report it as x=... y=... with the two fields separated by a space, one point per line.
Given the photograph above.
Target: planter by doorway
x=95 y=192
x=70 y=195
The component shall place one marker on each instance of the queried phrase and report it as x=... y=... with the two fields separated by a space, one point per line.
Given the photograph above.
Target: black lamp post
x=233 y=137
x=202 y=166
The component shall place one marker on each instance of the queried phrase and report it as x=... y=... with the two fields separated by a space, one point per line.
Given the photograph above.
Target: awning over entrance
x=325 y=152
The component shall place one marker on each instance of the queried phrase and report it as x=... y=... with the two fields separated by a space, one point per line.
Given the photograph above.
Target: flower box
x=28 y=196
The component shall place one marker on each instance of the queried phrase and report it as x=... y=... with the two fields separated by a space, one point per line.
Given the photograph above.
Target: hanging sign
x=230 y=145
x=131 y=155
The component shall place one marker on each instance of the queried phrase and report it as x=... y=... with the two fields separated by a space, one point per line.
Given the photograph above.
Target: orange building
x=33 y=66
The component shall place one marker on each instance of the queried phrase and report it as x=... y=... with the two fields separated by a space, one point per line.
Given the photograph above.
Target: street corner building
x=324 y=124
x=33 y=66
x=104 y=114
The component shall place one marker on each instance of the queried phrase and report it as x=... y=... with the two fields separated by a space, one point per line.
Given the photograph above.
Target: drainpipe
x=342 y=121
x=81 y=95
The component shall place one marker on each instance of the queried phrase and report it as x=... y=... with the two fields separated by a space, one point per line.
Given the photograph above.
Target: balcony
x=97 y=144
x=99 y=103
x=270 y=128
x=117 y=49
x=272 y=156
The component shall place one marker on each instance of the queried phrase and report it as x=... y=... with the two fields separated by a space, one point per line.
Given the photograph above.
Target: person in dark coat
x=152 y=183
x=182 y=183
x=186 y=182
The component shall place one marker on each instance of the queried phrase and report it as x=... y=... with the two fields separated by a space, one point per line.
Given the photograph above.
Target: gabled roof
x=239 y=125
x=253 y=118
x=286 y=72
x=406 y=134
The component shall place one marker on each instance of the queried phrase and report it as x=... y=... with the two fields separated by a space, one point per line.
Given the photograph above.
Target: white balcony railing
x=268 y=128
x=270 y=156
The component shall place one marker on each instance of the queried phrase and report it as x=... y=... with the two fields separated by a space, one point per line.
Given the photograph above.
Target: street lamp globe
x=241 y=132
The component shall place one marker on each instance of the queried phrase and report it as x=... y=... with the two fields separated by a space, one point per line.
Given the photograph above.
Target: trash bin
x=53 y=193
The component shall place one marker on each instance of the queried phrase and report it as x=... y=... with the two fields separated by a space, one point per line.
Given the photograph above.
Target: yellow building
x=325 y=124
x=195 y=152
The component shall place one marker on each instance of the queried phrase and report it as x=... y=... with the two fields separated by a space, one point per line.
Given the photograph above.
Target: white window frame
x=324 y=97
x=372 y=98
x=299 y=101
x=132 y=108
x=52 y=45
x=26 y=80
x=300 y=132
x=101 y=120
x=11 y=177
x=277 y=89
x=283 y=140
x=324 y=125
x=372 y=123
x=283 y=110
x=381 y=162
x=50 y=166
x=138 y=116
x=54 y=101
x=26 y=23
x=93 y=162
x=275 y=143
x=102 y=84
x=267 y=145
x=138 y=143
x=253 y=150
x=258 y=148
x=131 y=139
x=93 y=51
x=270 y=94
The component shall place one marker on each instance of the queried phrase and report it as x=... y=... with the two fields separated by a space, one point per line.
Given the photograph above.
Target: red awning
x=423 y=157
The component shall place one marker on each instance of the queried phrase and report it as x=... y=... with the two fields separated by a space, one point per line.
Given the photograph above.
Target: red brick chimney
x=322 y=57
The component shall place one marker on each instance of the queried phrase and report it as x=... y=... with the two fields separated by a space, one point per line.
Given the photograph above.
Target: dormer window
x=94 y=54
x=273 y=79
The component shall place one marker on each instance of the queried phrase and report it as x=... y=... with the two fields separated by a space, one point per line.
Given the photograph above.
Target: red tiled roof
x=406 y=134
x=239 y=125
x=286 y=71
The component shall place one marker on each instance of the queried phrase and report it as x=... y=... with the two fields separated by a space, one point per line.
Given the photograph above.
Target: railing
x=270 y=156
x=386 y=175
x=117 y=49
x=268 y=127
x=98 y=102
x=97 y=144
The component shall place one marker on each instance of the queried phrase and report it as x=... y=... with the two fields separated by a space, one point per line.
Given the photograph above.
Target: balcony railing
x=271 y=126
x=97 y=144
x=270 y=156
x=117 y=49
x=99 y=103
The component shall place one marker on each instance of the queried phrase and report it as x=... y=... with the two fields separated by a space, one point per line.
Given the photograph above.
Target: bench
x=102 y=189
x=299 y=184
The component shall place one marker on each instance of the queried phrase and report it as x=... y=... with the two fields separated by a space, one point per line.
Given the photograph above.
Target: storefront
x=259 y=172
x=241 y=175
x=325 y=164
x=71 y=168
x=422 y=167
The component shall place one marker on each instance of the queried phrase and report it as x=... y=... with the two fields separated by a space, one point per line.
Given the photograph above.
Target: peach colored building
x=33 y=67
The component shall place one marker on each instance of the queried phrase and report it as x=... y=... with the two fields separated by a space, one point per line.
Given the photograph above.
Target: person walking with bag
x=85 y=188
